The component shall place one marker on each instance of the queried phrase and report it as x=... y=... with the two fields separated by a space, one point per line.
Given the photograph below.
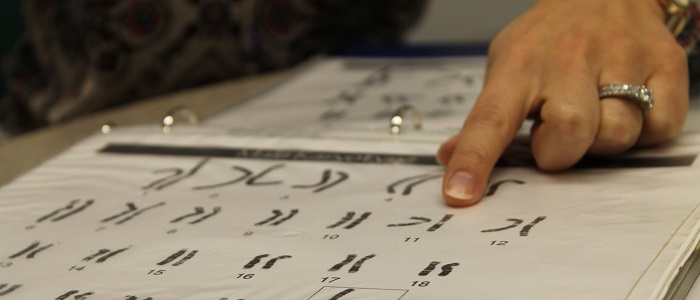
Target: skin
x=547 y=65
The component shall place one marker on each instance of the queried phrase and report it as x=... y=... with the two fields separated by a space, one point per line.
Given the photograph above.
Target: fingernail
x=461 y=186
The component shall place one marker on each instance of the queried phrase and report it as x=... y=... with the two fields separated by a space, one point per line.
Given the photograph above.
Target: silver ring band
x=641 y=95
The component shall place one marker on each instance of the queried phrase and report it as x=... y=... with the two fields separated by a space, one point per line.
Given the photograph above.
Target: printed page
x=361 y=94
x=197 y=214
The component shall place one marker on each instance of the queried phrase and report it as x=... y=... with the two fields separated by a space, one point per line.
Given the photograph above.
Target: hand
x=548 y=65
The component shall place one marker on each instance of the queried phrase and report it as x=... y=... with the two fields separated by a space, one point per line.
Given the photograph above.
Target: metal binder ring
x=397 y=119
x=179 y=114
x=107 y=127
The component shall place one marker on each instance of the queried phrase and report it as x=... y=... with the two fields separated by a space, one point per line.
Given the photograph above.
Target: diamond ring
x=641 y=95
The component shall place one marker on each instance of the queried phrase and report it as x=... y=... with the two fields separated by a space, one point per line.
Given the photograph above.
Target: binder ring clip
x=107 y=127
x=397 y=119
x=179 y=114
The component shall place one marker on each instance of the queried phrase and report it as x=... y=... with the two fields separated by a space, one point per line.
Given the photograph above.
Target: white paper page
x=341 y=94
x=208 y=223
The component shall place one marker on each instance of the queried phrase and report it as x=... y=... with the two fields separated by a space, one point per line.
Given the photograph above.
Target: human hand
x=547 y=65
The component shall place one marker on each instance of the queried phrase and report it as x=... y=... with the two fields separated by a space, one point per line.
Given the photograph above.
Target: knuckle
x=674 y=57
x=580 y=41
x=618 y=135
x=576 y=44
x=672 y=51
x=516 y=52
x=572 y=122
x=659 y=130
x=628 y=52
x=666 y=56
x=521 y=45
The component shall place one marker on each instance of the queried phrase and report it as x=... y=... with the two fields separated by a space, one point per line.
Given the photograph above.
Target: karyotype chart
x=138 y=215
x=363 y=94
x=337 y=293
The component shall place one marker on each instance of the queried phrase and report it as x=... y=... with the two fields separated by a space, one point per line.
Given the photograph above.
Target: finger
x=495 y=118
x=669 y=85
x=620 y=118
x=446 y=150
x=620 y=126
x=568 y=120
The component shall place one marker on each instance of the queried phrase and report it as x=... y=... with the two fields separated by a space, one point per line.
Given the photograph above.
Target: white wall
x=465 y=20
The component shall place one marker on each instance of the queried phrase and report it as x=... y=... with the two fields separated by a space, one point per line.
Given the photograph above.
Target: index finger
x=491 y=125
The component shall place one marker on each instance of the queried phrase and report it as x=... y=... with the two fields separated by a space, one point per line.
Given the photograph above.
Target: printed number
x=331 y=236
x=5 y=264
x=245 y=276
x=329 y=279
x=156 y=272
x=411 y=240
x=76 y=268
x=420 y=283
x=499 y=243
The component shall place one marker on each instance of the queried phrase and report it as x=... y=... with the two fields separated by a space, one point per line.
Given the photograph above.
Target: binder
x=339 y=211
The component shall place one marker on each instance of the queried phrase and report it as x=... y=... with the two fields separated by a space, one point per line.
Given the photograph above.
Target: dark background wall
x=11 y=27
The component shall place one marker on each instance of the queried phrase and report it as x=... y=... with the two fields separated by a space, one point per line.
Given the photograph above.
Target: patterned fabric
x=689 y=38
x=79 y=56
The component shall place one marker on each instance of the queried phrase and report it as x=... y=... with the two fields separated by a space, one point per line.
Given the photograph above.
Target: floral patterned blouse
x=79 y=56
